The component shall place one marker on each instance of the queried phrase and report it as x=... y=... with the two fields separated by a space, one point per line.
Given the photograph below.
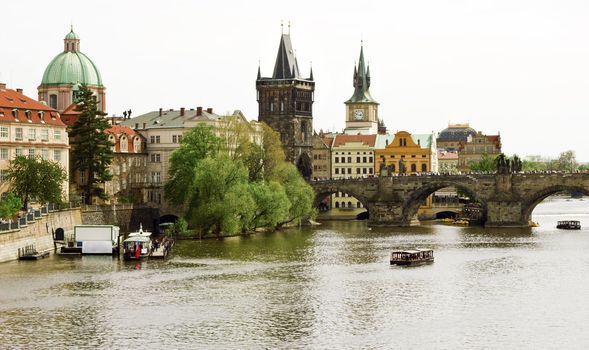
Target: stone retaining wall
x=38 y=233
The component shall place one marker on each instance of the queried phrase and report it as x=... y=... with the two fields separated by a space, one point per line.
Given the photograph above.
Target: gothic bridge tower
x=285 y=103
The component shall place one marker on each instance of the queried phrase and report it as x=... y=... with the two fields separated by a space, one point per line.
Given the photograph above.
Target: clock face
x=358 y=114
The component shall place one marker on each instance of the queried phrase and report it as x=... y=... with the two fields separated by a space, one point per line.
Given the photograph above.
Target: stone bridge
x=507 y=200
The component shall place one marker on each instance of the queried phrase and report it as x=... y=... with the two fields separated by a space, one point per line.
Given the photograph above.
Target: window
x=18 y=152
x=413 y=168
x=137 y=145
x=57 y=134
x=358 y=171
x=349 y=170
x=155 y=158
x=337 y=159
x=3 y=153
x=155 y=177
x=124 y=144
x=32 y=134
x=337 y=171
x=370 y=170
x=31 y=153
x=44 y=134
x=364 y=171
x=57 y=155
x=424 y=167
x=179 y=138
x=29 y=115
x=41 y=116
x=364 y=159
x=174 y=138
x=82 y=178
x=369 y=159
x=18 y=133
x=3 y=132
x=357 y=159
x=349 y=159
x=45 y=154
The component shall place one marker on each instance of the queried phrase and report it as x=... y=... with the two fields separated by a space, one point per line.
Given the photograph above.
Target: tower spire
x=361 y=80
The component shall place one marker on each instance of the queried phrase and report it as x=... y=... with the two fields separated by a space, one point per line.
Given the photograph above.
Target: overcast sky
x=517 y=67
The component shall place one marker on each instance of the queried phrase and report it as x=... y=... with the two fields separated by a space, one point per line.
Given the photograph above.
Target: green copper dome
x=72 y=66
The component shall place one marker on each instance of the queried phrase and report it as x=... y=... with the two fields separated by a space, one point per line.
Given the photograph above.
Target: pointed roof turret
x=259 y=73
x=311 y=74
x=361 y=81
x=286 y=66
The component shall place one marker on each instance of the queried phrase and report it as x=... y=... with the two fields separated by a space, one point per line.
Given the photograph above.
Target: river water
x=326 y=287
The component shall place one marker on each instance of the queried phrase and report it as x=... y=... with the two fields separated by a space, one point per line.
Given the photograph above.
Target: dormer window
x=29 y=115
x=41 y=116
x=15 y=113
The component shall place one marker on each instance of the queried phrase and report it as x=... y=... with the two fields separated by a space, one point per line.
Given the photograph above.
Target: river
x=325 y=287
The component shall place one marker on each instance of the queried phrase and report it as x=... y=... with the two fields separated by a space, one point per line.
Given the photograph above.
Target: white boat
x=137 y=245
x=140 y=232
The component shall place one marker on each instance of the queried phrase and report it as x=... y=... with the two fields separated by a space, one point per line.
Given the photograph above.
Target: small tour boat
x=137 y=245
x=412 y=257
x=569 y=225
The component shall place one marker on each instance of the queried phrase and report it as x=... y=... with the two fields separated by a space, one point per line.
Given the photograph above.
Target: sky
x=515 y=67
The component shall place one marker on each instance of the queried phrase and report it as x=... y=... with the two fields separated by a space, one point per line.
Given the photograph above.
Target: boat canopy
x=139 y=239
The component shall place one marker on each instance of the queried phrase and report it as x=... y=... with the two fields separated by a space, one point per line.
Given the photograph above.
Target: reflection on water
x=324 y=287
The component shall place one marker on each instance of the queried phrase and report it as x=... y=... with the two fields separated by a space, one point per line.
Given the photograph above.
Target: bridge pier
x=388 y=214
x=505 y=214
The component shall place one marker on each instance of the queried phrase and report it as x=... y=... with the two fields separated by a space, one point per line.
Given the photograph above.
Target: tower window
x=53 y=101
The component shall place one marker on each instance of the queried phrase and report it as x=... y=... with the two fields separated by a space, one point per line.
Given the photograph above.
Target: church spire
x=259 y=73
x=311 y=74
x=361 y=80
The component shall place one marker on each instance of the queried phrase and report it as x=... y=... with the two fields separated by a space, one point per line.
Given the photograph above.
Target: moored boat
x=412 y=257
x=569 y=225
x=137 y=245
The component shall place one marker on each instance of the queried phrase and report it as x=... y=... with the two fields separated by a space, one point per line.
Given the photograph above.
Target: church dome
x=72 y=66
x=457 y=132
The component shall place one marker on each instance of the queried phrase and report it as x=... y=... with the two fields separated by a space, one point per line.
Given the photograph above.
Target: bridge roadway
x=506 y=199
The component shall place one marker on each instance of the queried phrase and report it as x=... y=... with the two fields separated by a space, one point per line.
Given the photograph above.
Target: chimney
x=161 y=110
x=198 y=111
x=2 y=85
x=209 y=110
x=19 y=90
x=181 y=111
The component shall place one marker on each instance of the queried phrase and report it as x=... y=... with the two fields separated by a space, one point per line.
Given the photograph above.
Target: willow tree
x=92 y=151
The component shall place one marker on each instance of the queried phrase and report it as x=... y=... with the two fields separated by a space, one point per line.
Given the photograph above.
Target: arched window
x=111 y=138
x=337 y=204
x=423 y=167
x=124 y=143
x=358 y=205
x=413 y=168
x=137 y=144
x=350 y=205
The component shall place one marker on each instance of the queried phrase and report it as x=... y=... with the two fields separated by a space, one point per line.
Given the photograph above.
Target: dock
x=29 y=252
x=164 y=250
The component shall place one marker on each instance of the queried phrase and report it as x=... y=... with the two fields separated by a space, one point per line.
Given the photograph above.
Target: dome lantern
x=71 y=42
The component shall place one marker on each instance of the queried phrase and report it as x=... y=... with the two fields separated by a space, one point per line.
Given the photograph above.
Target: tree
x=219 y=197
x=36 y=178
x=271 y=204
x=298 y=191
x=485 y=164
x=263 y=159
x=528 y=165
x=196 y=145
x=567 y=161
x=92 y=149
x=179 y=227
x=10 y=205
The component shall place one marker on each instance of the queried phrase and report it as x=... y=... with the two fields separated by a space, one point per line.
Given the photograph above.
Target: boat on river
x=137 y=246
x=569 y=225
x=412 y=257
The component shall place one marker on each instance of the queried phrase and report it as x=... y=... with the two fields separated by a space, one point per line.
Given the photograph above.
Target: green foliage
x=298 y=191
x=179 y=227
x=197 y=144
x=10 y=206
x=92 y=149
x=486 y=164
x=528 y=165
x=271 y=204
x=36 y=178
x=262 y=159
x=219 y=199
x=584 y=167
x=567 y=161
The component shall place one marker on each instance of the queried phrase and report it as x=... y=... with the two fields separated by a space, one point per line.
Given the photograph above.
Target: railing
x=27 y=250
x=33 y=215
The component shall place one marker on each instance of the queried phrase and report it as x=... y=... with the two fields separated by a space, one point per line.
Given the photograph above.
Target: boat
x=412 y=257
x=137 y=246
x=461 y=222
x=533 y=224
x=569 y=225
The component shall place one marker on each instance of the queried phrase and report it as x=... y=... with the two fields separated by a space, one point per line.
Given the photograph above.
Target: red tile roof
x=342 y=139
x=444 y=155
x=11 y=100
x=327 y=141
x=120 y=129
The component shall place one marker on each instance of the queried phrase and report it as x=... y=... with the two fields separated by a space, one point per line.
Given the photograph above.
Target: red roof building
x=30 y=128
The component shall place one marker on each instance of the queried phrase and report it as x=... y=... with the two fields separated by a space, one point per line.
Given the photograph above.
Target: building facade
x=477 y=146
x=406 y=153
x=361 y=108
x=321 y=156
x=33 y=129
x=66 y=72
x=285 y=103
x=352 y=156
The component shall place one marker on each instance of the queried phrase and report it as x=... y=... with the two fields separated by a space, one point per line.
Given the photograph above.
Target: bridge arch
x=321 y=192
x=416 y=197
x=536 y=198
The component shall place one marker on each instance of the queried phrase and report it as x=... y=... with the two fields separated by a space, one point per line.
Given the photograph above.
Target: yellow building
x=409 y=154
x=406 y=153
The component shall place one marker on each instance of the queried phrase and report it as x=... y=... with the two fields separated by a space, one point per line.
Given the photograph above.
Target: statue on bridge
x=402 y=167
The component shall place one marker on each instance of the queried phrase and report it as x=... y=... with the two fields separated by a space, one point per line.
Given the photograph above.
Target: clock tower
x=361 y=108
